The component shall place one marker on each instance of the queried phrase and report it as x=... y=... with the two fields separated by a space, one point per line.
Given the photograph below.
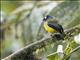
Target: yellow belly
x=47 y=28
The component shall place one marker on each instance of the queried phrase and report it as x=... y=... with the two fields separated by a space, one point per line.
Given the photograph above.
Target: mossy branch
x=25 y=51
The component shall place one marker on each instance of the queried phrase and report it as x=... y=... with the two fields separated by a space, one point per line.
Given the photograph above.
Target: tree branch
x=39 y=44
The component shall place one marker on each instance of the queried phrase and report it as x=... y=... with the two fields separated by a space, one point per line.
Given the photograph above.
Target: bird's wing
x=55 y=26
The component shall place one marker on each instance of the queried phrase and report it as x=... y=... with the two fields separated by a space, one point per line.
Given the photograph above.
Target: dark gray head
x=47 y=17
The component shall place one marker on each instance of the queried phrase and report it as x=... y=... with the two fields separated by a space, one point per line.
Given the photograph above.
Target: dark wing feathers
x=55 y=26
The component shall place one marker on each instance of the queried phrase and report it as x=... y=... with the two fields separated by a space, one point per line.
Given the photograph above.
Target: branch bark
x=39 y=44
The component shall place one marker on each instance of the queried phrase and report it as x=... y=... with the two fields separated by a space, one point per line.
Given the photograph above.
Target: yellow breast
x=47 y=28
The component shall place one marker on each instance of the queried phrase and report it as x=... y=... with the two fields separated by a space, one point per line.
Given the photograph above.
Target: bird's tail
x=62 y=35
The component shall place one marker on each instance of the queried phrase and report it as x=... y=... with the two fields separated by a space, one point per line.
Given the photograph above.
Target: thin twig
x=77 y=48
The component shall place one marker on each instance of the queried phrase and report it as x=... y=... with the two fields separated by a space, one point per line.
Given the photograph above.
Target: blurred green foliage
x=23 y=21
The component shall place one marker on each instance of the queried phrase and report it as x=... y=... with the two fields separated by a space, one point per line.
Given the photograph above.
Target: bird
x=51 y=26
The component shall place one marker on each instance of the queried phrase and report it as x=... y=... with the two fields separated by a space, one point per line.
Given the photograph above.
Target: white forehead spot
x=45 y=17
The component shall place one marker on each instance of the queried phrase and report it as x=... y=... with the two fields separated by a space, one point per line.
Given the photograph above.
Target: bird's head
x=47 y=18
